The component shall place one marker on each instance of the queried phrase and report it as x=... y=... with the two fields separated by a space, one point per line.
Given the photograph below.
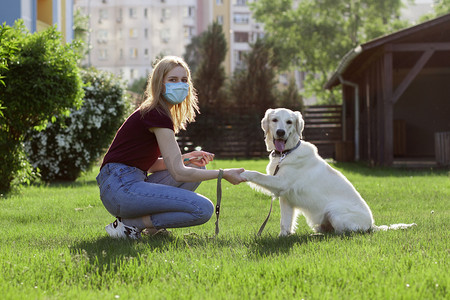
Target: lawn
x=53 y=246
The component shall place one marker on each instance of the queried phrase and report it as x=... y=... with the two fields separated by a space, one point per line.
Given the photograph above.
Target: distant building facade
x=40 y=14
x=126 y=36
x=240 y=29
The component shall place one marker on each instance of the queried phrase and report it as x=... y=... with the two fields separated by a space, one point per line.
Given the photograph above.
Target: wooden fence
x=323 y=128
x=442 y=148
x=238 y=133
x=226 y=135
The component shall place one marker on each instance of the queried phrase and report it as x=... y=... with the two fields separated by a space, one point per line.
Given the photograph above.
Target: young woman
x=166 y=197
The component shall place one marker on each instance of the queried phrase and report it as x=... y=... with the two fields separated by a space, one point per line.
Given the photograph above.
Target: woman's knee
x=206 y=210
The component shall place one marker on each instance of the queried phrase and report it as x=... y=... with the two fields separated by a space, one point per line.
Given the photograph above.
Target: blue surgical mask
x=176 y=92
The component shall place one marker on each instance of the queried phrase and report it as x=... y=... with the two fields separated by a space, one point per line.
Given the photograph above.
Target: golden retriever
x=307 y=184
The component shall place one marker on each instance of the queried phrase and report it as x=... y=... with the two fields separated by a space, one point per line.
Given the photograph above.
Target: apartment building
x=239 y=27
x=39 y=15
x=127 y=35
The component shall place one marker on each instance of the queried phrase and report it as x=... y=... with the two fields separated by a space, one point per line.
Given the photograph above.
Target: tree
x=81 y=33
x=138 y=86
x=192 y=53
x=253 y=85
x=42 y=81
x=7 y=48
x=440 y=7
x=314 y=35
x=210 y=49
x=290 y=97
x=209 y=76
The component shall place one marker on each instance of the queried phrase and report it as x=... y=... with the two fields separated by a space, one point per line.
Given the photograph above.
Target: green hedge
x=41 y=80
x=71 y=145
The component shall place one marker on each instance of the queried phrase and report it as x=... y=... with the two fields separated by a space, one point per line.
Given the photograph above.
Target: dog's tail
x=393 y=227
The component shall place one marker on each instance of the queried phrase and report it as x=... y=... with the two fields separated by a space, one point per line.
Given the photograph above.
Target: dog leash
x=277 y=168
x=219 y=199
x=283 y=156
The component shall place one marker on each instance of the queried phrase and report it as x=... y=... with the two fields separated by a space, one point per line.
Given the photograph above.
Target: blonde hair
x=182 y=113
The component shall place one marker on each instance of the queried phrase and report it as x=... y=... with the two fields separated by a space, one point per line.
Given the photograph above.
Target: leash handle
x=267 y=218
x=219 y=198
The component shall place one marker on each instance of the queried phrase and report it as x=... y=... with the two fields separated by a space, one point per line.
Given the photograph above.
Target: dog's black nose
x=280 y=132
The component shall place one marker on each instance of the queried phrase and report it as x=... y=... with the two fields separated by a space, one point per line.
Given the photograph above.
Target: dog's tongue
x=279 y=145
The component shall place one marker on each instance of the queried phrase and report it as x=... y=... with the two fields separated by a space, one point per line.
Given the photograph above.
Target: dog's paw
x=284 y=233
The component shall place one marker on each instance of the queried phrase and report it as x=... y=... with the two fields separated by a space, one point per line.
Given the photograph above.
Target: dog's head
x=282 y=128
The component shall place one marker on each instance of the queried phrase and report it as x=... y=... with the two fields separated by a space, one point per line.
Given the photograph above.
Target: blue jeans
x=128 y=192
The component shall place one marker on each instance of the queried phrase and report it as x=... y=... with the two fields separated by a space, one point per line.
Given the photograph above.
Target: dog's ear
x=300 y=123
x=265 y=120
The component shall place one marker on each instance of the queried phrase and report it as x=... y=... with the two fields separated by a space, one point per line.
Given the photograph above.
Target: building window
x=146 y=33
x=256 y=36
x=219 y=2
x=133 y=53
x=133 y=33
x=102 y=36
x=241 y=37
x=240 y=2
x=145 y=52
x=241 y=18
x=119 y=17
x=189 y=12
x=133 y=13
x=165 y=13
x=145 y=13
x=220 y=19
x=189 y=31
x=121 y=53
x=132 y=74
x=103 y=13
x=102 y=54
x=165 y=35
x=239 y=57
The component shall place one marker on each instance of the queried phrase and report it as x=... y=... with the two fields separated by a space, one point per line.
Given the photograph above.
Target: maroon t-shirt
x=134 y=145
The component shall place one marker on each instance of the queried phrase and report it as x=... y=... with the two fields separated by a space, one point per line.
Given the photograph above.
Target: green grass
x=53 y=246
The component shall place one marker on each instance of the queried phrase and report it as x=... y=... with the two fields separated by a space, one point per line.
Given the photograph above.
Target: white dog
x=305 y=183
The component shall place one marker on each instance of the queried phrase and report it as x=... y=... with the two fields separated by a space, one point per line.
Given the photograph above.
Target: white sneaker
x=119 y=230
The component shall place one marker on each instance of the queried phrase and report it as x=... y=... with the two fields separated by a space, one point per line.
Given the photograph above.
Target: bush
x=71 y=145
x=40 y=80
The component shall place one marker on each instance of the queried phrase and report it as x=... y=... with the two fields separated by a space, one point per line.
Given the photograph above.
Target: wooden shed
x=396 y=95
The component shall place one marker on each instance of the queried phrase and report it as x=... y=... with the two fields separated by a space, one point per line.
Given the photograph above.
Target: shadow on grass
x=110 y=253
x=274 y=245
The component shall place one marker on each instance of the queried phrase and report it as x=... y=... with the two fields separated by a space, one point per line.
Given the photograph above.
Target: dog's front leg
x=272 y=183
x=288 y=215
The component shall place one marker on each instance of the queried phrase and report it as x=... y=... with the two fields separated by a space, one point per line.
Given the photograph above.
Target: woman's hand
x=198 y=158
x=233 y=176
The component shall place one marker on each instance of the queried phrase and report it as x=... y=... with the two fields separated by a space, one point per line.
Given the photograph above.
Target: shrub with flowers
x=73 y=144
